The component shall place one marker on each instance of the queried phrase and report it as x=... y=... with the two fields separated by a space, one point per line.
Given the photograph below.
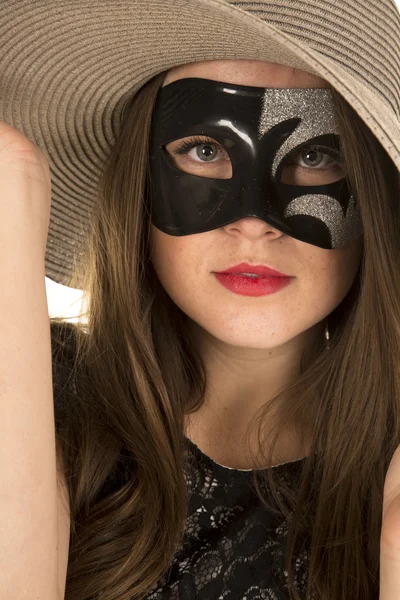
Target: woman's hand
x=25 y=191
x=390 y=533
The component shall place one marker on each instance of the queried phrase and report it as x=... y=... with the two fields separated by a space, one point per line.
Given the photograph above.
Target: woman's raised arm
x=28 y=480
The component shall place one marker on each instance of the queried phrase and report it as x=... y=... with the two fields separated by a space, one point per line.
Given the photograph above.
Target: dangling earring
x=327 y=336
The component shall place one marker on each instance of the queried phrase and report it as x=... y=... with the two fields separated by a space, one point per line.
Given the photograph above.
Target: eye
x=202 y=156
x=316 y=156
x=205 y=157
x=206 y=149
x=313 y=165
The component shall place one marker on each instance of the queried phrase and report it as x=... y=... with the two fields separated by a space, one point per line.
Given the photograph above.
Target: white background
x=65 y=302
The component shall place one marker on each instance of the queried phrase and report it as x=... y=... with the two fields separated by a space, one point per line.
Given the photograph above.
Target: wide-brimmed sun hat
x=68 y=67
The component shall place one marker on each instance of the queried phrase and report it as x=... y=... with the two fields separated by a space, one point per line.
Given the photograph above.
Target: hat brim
x=67 y=69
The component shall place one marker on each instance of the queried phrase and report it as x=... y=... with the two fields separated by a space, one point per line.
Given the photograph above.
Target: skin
x=251 y=347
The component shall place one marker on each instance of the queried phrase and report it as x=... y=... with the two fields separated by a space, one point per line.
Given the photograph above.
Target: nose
x=253 y=228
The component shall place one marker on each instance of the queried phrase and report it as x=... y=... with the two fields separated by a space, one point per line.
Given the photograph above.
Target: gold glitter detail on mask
x=343 y=228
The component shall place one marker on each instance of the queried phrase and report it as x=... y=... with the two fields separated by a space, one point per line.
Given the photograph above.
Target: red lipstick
x=255 y=269
x=267 y=281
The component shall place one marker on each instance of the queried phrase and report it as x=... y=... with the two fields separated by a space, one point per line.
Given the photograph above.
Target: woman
x=217 y=435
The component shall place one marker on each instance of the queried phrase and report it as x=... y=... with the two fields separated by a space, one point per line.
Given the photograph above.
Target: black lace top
x=233 y=548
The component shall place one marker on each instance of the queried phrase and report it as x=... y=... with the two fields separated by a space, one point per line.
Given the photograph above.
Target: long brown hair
x=129 y=376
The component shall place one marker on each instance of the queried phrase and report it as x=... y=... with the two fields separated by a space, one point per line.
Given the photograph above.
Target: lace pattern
x=232 y=548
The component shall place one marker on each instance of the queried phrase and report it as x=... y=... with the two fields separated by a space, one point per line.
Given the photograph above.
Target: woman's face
x=185 y=265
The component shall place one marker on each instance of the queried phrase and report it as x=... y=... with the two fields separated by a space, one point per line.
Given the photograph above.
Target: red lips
x=255 y=269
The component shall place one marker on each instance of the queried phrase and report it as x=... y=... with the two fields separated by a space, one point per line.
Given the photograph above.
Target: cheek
x=329 y=276
x=177 y=261
x=339 y=268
